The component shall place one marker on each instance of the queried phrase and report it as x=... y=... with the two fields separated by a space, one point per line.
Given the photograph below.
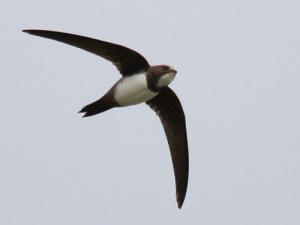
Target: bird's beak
x=173 y=71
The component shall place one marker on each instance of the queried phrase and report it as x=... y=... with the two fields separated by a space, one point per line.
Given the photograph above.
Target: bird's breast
x=133 y=90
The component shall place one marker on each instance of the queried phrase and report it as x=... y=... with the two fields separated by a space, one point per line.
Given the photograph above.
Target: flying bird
x=140 y=83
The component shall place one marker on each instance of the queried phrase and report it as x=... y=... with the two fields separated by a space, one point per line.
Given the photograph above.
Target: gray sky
x=238 y=80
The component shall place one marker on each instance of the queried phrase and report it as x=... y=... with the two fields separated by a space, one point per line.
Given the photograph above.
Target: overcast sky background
x=238 y=80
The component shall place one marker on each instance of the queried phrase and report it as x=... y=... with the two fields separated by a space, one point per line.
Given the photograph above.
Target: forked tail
x=98 y=106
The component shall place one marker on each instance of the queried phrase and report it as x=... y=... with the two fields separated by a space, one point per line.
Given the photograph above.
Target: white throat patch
x=133 y=90
x=166 y=79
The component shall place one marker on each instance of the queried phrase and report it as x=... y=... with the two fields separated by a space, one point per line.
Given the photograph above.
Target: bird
x=140 y=83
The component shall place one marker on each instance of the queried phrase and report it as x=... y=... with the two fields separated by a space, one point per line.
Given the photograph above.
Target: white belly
x=133 y=90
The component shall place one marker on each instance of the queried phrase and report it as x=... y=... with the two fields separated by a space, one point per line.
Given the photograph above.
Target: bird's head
x=160 y=76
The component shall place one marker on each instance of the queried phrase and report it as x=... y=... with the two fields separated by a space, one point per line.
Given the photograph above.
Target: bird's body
x=133 y=90
x=140 y=83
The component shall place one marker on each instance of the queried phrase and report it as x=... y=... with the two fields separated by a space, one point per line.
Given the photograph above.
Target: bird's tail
x=99 y=106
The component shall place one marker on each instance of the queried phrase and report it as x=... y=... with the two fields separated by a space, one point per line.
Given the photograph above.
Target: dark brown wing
x=167 y=106
x=127 y=61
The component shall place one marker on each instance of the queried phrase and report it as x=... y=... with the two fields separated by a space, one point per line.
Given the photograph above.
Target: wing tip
x=180 y=199
x=37 y=32
x=28 y=31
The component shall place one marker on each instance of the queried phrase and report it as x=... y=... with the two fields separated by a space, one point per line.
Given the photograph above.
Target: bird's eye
x=165 y=67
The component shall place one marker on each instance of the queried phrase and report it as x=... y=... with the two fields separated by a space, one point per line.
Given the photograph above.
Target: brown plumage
x=141 y=83
x=167 y=106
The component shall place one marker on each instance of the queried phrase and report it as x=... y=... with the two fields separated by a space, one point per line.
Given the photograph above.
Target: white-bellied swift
x=140 y=83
